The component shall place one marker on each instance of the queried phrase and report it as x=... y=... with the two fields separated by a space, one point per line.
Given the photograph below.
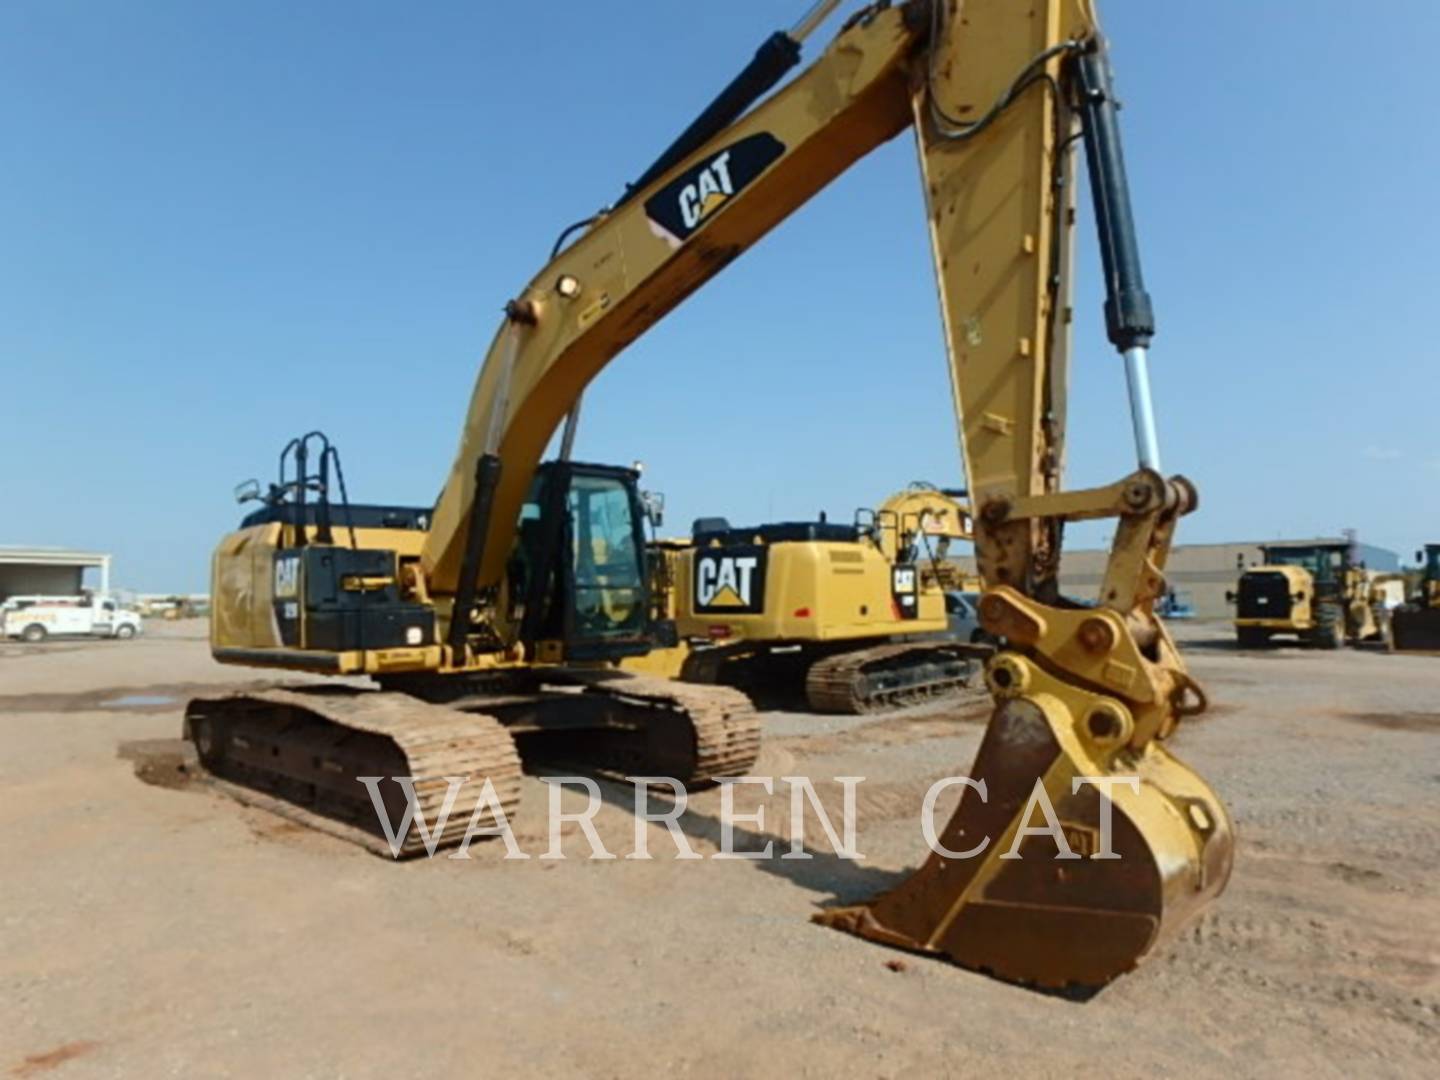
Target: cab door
x=609 y=597
x=103 y=618
x=579 y=568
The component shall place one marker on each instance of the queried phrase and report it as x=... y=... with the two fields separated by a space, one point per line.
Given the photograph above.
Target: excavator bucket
x=1415 y=629
x=1021 y=908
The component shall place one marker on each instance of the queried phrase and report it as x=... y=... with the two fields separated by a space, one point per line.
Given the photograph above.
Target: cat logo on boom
x=731 y=580
x=686 y=203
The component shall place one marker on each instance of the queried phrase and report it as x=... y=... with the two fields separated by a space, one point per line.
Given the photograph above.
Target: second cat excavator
x=497 y=618
x=848 y=618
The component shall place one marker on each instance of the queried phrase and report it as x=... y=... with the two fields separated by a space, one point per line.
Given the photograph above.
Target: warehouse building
x=1199 y=573
x=38 y=571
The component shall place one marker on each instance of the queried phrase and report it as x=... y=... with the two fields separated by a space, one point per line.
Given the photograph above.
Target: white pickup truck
x=35 y=618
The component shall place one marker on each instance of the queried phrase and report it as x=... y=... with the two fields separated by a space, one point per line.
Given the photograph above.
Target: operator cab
x=1325 y=562
x=577 y=576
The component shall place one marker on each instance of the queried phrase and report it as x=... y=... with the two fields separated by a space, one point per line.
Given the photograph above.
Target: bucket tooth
x=1047 y=920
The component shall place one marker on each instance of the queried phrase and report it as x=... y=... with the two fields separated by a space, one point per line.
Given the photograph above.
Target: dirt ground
x=147 y=931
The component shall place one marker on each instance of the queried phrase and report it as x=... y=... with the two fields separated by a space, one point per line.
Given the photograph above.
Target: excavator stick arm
x=1081 y=842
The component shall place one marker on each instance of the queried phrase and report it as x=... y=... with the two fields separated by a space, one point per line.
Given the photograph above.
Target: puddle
x=151 y=698
x=137 y=701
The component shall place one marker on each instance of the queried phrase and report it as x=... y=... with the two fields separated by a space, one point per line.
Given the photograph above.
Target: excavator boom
x=639 y=260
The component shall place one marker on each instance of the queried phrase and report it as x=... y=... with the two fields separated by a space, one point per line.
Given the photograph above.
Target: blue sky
x=225 y=223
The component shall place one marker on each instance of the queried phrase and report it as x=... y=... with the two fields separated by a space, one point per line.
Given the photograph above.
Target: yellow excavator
x=849 y=618
x=501 y=613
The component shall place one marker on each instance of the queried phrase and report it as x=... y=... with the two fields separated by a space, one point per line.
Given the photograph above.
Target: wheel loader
x=492 y=623
x=1317 y=592
x=837 y=618
x=1415 y=625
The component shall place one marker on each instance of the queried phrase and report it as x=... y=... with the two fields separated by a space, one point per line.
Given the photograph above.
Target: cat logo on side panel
x=730 y=580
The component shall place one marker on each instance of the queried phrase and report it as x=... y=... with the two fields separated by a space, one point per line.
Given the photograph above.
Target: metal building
x=49 y=571
x=1202 y=573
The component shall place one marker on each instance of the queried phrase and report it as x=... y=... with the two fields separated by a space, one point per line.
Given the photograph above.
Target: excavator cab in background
x=1415 y=625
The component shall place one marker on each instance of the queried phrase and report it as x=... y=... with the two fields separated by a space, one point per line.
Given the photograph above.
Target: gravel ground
x=147 y=931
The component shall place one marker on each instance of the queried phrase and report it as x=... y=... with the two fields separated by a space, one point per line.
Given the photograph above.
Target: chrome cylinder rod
x=1142 y=410
x=572 y=424
x=812 y=19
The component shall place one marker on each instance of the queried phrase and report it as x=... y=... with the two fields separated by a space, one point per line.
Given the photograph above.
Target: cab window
x=607 y=565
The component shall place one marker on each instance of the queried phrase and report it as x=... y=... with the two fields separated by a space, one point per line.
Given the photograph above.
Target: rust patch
x=1400 y=721
x=36 y=1064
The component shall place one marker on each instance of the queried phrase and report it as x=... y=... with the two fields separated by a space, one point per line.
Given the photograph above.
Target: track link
x=299 y=752
x=695 y=733
x=891 y=676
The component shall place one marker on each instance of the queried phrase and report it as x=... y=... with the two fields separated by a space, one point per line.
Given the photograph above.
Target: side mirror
x=249 y=491
x=654 y=504
x=1240 y=562
x=1419 y=556
x=1298 y=597
x=1229 y=596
